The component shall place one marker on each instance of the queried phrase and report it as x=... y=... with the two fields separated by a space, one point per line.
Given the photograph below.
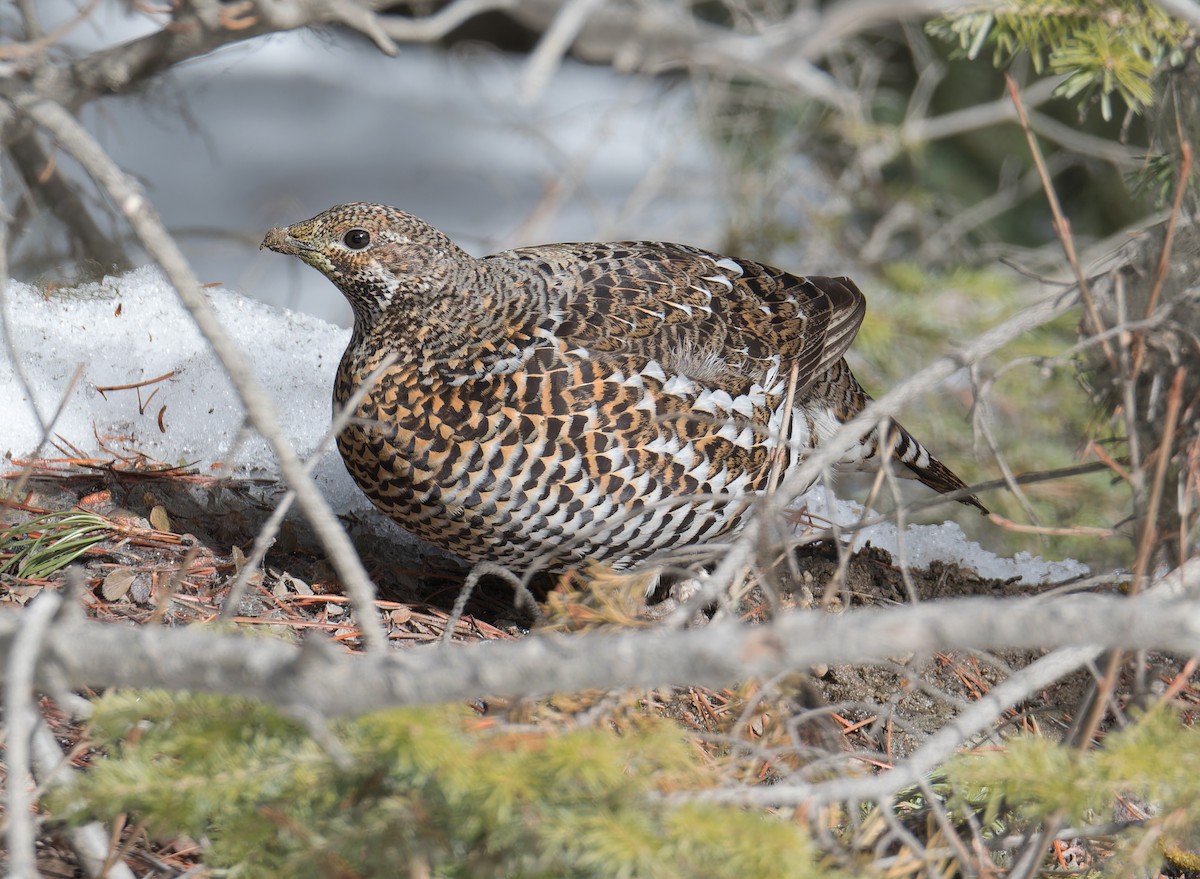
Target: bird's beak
x=280 y=241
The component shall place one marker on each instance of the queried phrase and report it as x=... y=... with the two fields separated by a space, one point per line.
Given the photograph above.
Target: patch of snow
x=132 y=328
x=919 y=545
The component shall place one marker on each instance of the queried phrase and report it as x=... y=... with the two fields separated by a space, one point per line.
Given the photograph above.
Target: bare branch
x=555 y=43
x=21 y=717
x=40 y=43
x=433 y=27
x=201 y=29
x=84 y=653
x=47 y=184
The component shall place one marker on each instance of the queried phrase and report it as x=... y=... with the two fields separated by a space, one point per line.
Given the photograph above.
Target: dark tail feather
x=926 y=467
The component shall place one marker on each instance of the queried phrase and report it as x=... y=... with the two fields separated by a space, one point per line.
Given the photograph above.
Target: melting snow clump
x=132 y=328
x=922 y=544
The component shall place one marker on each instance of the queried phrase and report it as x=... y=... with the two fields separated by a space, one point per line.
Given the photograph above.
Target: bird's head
x=374 y=254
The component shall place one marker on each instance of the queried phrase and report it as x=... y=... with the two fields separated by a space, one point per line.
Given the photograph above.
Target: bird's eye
x=357 y=239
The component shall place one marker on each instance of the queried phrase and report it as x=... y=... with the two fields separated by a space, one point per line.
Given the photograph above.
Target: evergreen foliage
x=418 y=787
x=1103 y=48
x=1154 y=761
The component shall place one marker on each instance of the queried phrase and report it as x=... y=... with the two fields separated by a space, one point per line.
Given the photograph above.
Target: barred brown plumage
x=553 y=404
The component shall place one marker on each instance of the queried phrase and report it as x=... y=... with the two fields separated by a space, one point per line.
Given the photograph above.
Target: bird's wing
x=696 y=313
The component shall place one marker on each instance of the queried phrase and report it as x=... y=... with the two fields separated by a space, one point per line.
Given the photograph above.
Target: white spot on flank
x=704 y=403
x=663 y=445
x=654 y=370
x=719 y=279
x=742 y=405
x=682 y=306
x=581 y=353
x=730 y=266
x=738 y=483
x=680 y=386
x=722 y=400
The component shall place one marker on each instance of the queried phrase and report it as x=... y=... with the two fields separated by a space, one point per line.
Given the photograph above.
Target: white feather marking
x=704 y=402
x=730 y=266
x=680 y=386
x=662 y=445
x=737 y=484
x=581 y=353
x=682 y=306
x=654 y=370
x=719 y=279
x=634 y=381
x=617 y=377
x=571 y=467
x=722 y=400
x=640 y=482
x=742 y=405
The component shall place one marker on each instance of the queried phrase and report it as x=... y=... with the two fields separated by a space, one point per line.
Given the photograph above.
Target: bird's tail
x=906 y=450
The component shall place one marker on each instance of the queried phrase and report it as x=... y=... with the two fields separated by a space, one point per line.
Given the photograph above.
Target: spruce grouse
x=550 y=405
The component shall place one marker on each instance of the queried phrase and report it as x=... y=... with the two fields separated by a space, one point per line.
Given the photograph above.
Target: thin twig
x=1164 y=257
x=1062 y=226
x=545 y=59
